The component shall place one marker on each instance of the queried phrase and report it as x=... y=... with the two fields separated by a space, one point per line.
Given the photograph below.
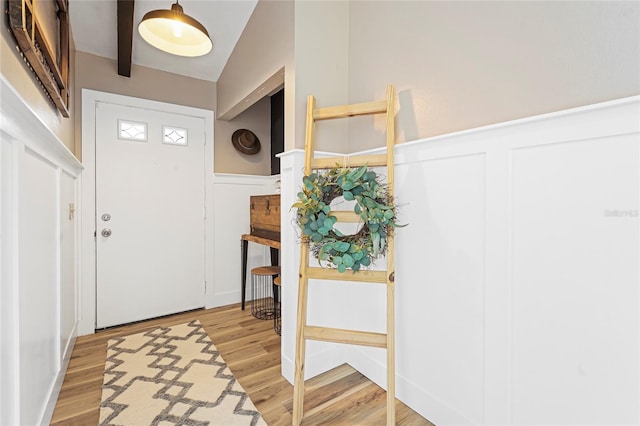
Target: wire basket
x=262 y=305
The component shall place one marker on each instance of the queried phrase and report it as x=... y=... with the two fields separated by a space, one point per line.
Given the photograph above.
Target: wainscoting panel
x=231 y=218
x=9 y=352
x=39 y=338
x=440 y=279
x=517 y=277
x=38 y=263
x=575 y=282
x=69 y=308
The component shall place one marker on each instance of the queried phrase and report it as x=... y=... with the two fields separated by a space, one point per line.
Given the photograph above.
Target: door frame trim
x=87 y=249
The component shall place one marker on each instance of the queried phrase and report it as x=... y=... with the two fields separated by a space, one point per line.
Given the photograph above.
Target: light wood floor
x=252 y=351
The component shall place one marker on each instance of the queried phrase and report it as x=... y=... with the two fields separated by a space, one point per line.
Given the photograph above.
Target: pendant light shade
x=175 y=32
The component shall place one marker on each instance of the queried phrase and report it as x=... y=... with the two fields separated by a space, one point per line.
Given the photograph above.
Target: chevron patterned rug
x=172 y=376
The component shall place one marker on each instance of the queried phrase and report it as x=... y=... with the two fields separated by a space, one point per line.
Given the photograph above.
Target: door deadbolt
x=106 y=217
x=106 y=232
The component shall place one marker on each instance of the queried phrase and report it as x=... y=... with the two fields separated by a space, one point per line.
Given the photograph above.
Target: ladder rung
x=361 y=160
x=342 y=111
x=353 y=337
x=333 y=274
x=346 y=216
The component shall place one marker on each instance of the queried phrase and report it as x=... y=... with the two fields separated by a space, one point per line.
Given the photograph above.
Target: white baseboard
x=407 y=390
x=316 y=364
x=224 y=299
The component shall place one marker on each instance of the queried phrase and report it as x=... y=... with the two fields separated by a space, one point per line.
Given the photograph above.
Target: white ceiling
x=94 y=27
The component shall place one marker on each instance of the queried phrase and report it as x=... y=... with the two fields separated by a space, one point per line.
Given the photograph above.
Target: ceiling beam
x=125 y=36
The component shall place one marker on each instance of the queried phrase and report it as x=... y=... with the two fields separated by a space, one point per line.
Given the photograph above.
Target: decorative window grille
x=132 y=131
x=174 y=136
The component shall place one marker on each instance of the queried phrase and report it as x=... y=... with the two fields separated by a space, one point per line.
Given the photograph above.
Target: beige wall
x=265 y=46
x=17 y=73
x=322 y=69
x=98 y=73
x=227 y=159
x=458 y=65
x=455 y=65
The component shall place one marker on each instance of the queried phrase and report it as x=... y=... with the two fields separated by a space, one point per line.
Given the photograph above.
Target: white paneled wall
x=517 y=277
x=574 y=281
x=39 y=291
x=230 y=222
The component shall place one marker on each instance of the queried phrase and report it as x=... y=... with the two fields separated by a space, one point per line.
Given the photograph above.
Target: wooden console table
x=244 y=243
x=265 y=230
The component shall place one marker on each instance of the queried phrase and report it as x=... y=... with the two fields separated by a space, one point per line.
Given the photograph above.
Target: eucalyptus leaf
x=341 y=246
x=307 y=183
x=348 y=195
x=347 y=260
x=341 y=268
x=347 y=185
x=357 y=174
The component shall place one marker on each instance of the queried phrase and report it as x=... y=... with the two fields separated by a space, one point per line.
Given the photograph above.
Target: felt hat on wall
x=245 y=141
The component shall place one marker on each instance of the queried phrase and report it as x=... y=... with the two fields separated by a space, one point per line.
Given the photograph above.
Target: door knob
x=106 y=232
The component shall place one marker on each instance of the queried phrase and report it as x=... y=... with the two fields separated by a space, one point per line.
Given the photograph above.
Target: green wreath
x=373 y=204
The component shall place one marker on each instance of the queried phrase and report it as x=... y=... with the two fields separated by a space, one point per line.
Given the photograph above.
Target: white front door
x=150 y=201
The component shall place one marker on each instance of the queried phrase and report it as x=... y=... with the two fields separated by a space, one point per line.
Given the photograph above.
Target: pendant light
x=175 y=32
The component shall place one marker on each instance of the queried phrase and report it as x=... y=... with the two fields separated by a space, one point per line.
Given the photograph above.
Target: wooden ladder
x=308 y=332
